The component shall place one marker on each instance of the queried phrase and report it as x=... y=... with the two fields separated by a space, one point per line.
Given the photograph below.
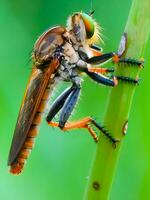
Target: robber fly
x=60 y=54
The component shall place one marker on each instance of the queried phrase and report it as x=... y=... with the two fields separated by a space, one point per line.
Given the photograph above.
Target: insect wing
x=31 y=101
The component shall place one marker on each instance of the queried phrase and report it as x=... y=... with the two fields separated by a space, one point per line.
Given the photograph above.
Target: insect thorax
x=60 y=44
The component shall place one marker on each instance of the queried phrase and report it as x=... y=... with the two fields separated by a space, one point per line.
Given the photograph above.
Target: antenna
x=91 y=9
x=91 y=5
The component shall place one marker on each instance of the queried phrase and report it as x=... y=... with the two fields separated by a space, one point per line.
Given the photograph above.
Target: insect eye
x=89 y=24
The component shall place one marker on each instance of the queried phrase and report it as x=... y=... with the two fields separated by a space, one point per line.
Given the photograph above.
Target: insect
x=61 y=54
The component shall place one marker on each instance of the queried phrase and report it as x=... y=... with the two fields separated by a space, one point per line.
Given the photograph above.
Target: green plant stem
x=119 y=103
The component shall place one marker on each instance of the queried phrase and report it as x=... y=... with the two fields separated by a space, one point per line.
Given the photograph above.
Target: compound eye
x=89 y=24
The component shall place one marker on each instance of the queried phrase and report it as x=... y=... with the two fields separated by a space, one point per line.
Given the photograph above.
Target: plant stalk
x=119 y=104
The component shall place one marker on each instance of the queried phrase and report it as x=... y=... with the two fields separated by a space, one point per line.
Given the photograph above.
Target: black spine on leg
x=110 y=70
x=131 y=61
x=105 y=132
x=58 y=104
x=69 y=106
x=100 y=79
x=128 y=80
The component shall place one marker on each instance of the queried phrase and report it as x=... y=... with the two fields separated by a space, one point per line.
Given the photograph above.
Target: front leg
x=128 y=61
x=100 y=70
x=109 y=81
x=97 y=75
x=99 y=78
x=95 y=60
x=100 y=58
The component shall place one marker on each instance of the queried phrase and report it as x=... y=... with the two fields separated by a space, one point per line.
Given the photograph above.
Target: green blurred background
x=58 y=167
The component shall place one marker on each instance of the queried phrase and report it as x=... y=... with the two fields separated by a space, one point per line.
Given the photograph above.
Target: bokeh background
x=58 y=167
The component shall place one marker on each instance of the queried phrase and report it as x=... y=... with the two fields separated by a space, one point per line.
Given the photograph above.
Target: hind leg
x=86 y=122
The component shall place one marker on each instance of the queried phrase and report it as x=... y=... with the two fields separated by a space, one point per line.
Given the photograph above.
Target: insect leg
x=101 y=70
x=115 y=58
x=96 y=74
x=96 y=48
x=69 y=106
x=100 y=59
x=58 y=104
x=127 y=61
x=130 y=62
x=121 y=50
x=128 y=80
x=83 y=123
x=72 y=94
x=86 y=123
x=108 y=81
x=99 y=78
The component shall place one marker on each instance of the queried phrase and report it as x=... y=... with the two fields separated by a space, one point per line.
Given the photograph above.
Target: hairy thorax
x=61 y=44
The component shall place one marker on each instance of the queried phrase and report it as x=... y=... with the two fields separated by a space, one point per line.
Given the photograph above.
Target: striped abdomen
x=17 y=166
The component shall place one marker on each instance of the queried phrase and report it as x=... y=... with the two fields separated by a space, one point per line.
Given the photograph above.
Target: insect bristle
x=97 y=37
x=131 y=62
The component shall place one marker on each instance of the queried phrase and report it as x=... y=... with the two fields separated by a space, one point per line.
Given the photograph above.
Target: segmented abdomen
x=17 y=167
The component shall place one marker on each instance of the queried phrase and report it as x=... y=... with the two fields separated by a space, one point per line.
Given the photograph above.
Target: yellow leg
x=83 y=123
x=98 y=70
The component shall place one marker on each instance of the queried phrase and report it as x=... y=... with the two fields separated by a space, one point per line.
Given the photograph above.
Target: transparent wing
x=35 y=89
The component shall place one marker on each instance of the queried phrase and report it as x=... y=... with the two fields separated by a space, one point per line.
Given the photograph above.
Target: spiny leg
x=66 y=101
x=128 y=61
x=92 y=72
x=86 y=123
x=70 y=102
x=58 y=103
x=69 y=106
x=99 y=78
x=128 y=80
x=83 y=123
x=96 y=60
x=108 y=81
x=100 y=70
x=96 y=74
x=116 y=58
x=100 y=58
